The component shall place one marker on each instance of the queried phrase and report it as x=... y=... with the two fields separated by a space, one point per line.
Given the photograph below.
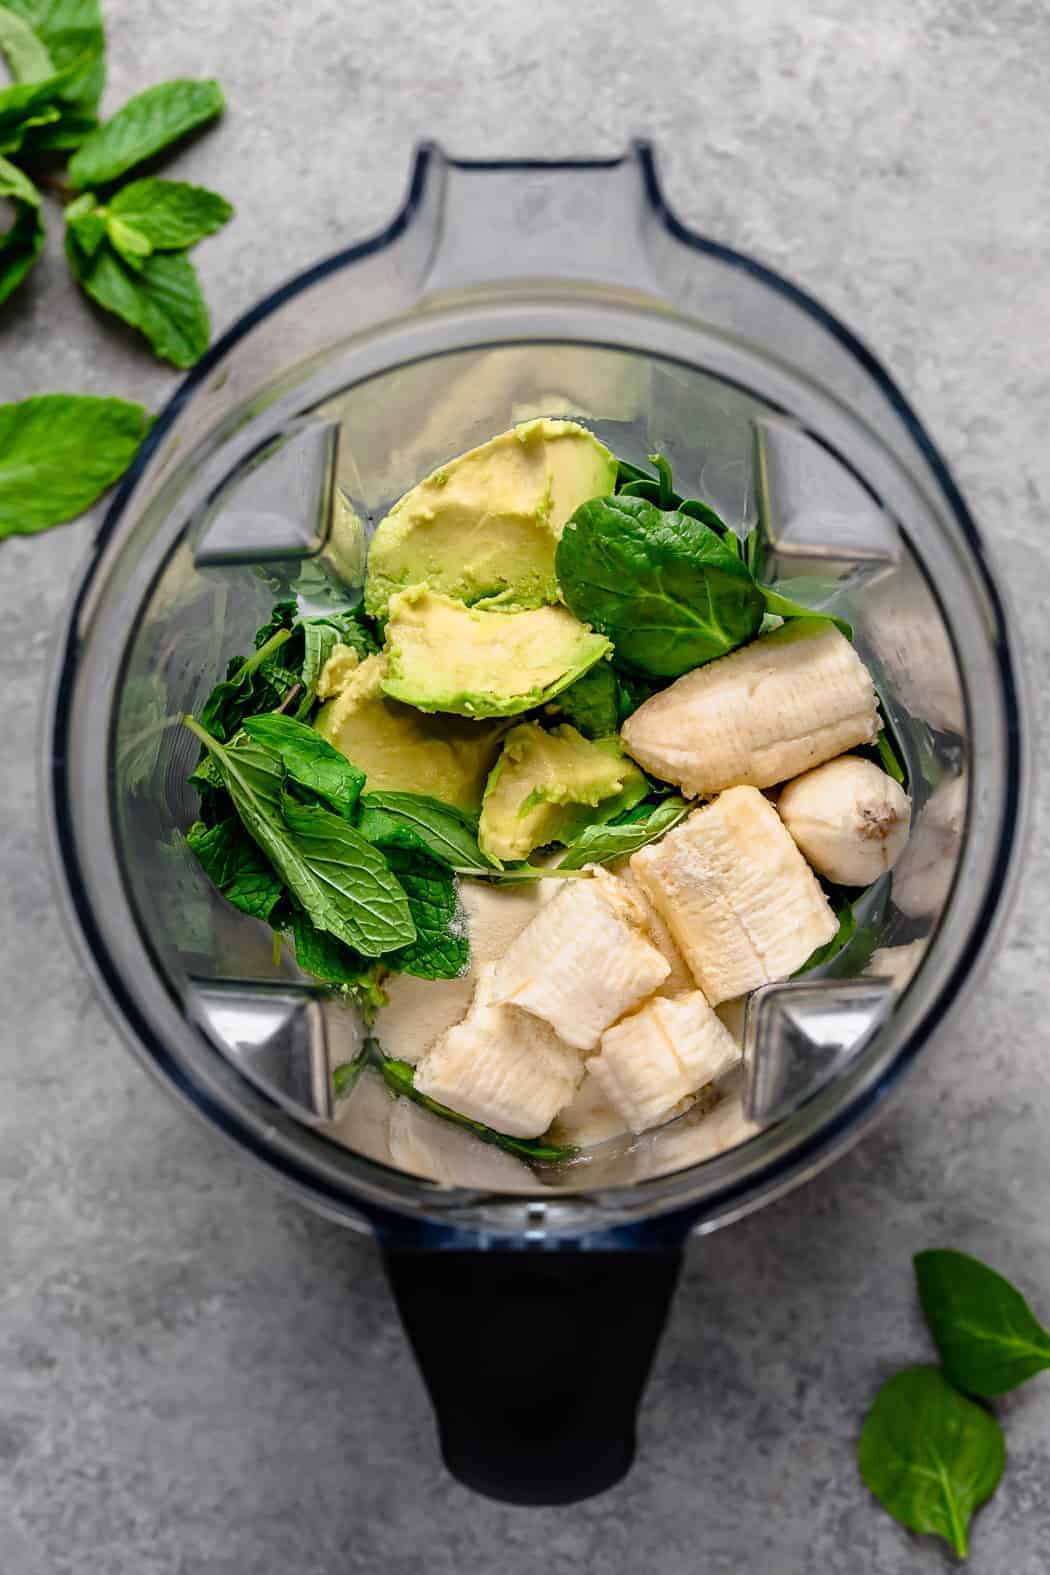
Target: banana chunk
x=742 y=904
x=657 y=1058
x=584 y=961
x=500 y=1066
x=849 y=818
x=788 y=701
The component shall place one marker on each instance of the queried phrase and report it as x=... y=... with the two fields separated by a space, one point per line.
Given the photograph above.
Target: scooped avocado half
x=443 y=656
x=547 y=786
x=403 y=750
x=486 y=525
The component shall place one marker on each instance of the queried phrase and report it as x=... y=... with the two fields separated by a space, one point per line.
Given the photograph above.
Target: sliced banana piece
x=787 y=701
x=426 y=1145
x=584 y=961
x=679 y=979
x=654 y=1060
x=420 y=1010
x=703 y=1133
x=740 y=900
x=501 y=1066
x=849 y=818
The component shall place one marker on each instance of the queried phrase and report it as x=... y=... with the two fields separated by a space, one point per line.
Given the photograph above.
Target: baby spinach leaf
x=169 y=214
x=598 y=844
x=236 y=867
x=399 y=1077
x=59 y=452
x=888 y=752
x=665 y=588
x=779 y=606
x=441 y=949
x=309 y=760
x=341 y=881
x=633 y=482
x=930 y=1455
x=444 y=832
x=987 y=1335
x=631 y=692
x=150 y=121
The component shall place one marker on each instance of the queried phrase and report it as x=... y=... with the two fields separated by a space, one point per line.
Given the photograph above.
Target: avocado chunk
x=487 y=524
x=547 y=786
x=443 y=656
x=401 y=750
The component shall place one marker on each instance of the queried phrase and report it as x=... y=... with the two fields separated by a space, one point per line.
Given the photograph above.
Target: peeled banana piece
x=500 y=1066
x=788 y=701
x=849 y=818
x=584 y=961
x=739 y=899
x=655 y=1059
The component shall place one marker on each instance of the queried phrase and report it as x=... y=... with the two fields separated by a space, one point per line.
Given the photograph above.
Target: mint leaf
x=342 y=882
x=161 y=298
x=988 y=1337
x=129 y=242
x=146 y=124
x=25 y=105
x=309 y=760
x=170 y=214
x=929 y=1455
x=74 y=36
x=245 y=691
x=25 y=52
x=21 y=244
x=441 y=949
x=234 y=864
x=442 y=831
x=59 y=452
x=322 y=956
x=85 y=221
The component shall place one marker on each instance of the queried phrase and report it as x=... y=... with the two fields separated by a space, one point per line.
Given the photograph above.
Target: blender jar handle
x=533 y=221
x=535 y=1360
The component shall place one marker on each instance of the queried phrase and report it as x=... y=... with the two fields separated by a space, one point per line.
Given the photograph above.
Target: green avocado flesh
x=444 y=656
x=547 y=786
x=403 y=750
x=486 y=525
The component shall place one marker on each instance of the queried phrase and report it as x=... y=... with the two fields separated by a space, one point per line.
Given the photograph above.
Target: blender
x=500 y=292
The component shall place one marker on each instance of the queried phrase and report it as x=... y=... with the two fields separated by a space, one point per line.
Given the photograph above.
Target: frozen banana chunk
x=679 y=980
x=773 y=709
x=427 y=1145
x=584 y=961
x=655 y=1059
x=743 y=905
x=500 y=1066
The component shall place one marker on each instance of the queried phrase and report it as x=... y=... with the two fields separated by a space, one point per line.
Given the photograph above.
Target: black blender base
x=535 y=1361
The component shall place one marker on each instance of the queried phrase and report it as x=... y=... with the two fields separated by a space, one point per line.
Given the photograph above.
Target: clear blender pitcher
x=499 y=292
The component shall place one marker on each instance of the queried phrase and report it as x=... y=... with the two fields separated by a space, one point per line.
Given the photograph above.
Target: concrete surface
x=196 y=1376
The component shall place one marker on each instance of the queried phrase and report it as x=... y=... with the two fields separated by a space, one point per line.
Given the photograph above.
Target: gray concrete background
x=195 y=1375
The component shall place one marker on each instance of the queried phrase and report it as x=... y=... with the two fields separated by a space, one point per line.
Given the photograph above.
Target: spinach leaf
x=441 y=830
x=987 y=1335
x=845 y=932
x=59 y=452
x=235 y=866
x=341 y=881
x=325 y=958
x=778 y=606
x=631 y=692
x=665 y=588
x=309 y=760
x=633 y=482
x=598 y=844
x=889 y=754
x=441 y=949
x=929 y=1455
x=21 y=244
x=399 y=1077
x=150 y=121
